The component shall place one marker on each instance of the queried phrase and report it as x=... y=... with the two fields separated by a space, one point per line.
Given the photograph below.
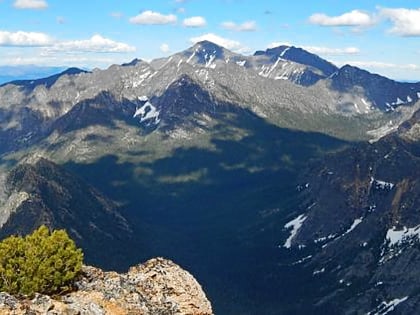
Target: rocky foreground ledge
x=158 y=287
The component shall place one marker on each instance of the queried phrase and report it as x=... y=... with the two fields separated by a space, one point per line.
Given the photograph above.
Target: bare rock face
x=158 y=286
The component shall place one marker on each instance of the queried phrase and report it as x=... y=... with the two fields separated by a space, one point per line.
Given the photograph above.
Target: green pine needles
x=44 y=262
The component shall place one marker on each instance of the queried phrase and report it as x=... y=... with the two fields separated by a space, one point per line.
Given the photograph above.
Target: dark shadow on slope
x=384 y=93
x=59 y=199
x=102 y=110
x=220 y=212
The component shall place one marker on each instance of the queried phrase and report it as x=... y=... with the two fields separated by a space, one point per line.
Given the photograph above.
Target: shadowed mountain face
x=220 y=211
x=386 y=94
x=360 y=235
x=45 y=193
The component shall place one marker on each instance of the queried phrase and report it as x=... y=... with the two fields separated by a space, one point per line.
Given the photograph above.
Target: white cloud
x=30 y=4
x=352 y=18
x=96 y=44
x=153 y=18
x=247 y=26
x=332 y=51
x=195 y=21
x=383 y=65
x=406 y=22
x=319 y=50
x=164 y=48
x=224 y=42
x=24 y=39
x=181 y=10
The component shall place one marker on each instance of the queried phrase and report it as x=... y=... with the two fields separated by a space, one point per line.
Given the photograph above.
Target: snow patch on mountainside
x=295 y=224
x=397 y=237
x=147 y=112
x=326 y=239
x=380 y=184
x=209 y=61
x=396 y=240
x=191 y=57
x=284 y=52
x=387 y=307
x=353 y=226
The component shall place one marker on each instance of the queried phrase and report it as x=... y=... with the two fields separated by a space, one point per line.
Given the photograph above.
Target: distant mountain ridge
x=319 y=86
x=47 y=81
x=26 y=72
x=288 y=86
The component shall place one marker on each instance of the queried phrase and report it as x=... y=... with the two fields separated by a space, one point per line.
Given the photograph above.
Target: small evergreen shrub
x=44 y=262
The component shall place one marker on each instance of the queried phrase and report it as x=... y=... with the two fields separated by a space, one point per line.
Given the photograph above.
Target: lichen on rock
x=158 y=286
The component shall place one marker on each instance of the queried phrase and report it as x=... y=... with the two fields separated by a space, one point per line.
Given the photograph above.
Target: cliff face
x=158 y=286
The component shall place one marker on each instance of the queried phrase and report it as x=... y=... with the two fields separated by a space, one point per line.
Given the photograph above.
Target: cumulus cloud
x=30 y=4
x=96 y=44
x=24 y=39
x=247 y=26
x=352 y=18
x=195 y=21
x=164 y=48
x=153 y=18
x=224 y=42
x=406 y=22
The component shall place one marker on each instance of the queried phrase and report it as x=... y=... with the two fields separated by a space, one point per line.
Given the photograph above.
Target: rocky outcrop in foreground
x=158 y=286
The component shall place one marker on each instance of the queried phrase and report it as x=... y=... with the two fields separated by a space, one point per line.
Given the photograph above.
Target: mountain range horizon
x=32 y=71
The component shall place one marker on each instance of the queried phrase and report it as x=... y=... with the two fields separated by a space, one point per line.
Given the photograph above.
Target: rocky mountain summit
x=158 y=286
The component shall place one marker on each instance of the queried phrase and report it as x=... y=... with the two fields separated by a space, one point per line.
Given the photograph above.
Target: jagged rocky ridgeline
x=287 y=86
x=158 y=286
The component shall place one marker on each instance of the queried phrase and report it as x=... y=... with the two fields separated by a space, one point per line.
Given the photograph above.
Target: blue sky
x=383 y=36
